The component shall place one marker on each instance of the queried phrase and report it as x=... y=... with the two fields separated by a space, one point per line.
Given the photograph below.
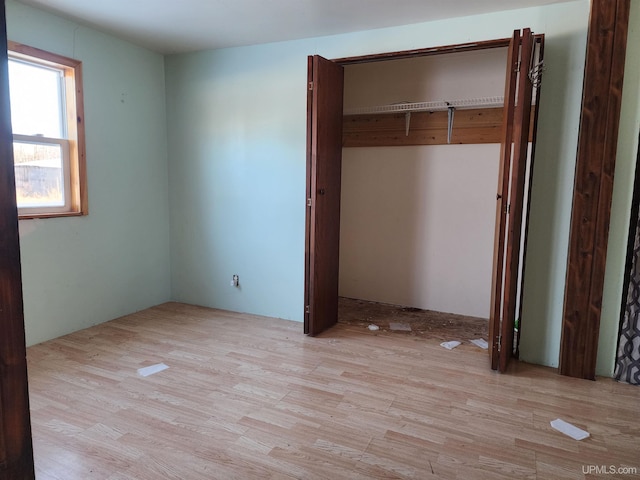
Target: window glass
x=39 y=174
x=36 y=100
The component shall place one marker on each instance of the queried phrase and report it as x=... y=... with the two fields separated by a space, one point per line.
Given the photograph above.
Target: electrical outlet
x=235 y=281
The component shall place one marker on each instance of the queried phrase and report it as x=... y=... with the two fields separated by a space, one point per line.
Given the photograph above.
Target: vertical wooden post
x=16 y=451
x=593 y=189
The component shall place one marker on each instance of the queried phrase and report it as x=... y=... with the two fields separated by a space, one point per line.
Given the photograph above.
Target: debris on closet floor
x=411 y=321
x=480 y=342
x=399 y=327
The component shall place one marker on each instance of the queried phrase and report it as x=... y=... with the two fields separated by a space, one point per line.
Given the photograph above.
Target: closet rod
x=484 y=102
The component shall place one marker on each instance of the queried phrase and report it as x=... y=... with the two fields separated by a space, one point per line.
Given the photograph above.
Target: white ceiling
x=172 y=26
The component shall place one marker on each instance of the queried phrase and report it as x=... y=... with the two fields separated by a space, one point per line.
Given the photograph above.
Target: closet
x=417 y=207
x=406 y=152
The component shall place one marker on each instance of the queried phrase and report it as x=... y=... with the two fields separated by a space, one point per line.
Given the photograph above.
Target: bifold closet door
x=510 y=198
x=324 y=165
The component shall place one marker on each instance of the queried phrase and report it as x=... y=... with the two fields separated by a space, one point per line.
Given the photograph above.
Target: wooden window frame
x=74 y=169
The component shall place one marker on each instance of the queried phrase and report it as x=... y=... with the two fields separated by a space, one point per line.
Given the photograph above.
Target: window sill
x=34 y=216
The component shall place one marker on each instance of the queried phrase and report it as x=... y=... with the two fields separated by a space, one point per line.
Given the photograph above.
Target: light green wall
x=78 y=272
x=237 y=122
x=622 y=193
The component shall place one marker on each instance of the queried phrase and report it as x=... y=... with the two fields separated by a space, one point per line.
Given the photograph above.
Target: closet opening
x=417 y=208
x=406 y=152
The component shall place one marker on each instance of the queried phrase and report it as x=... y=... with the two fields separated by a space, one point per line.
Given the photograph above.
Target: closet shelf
x=472 y=126
x=408 y=107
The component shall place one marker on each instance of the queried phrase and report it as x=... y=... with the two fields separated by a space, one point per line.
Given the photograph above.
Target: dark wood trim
x=16 y=451
x=419 y=52
x=424 y=52
x=593 y=189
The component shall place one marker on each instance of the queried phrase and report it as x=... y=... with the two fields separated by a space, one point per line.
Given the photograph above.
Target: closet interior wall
x=417 y=222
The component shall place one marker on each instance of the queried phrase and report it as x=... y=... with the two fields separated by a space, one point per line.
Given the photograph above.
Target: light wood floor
x=250 y=397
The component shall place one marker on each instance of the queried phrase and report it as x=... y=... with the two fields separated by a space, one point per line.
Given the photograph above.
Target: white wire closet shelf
x=408 y=107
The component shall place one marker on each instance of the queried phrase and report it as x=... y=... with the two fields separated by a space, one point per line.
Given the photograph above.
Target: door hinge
x=306 y=309
x=499 y=342
x=518 y=66
x=310 y=86
x=308 y=202
x=507 y=208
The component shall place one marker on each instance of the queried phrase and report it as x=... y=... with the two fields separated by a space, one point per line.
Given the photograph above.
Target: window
x=48 y=133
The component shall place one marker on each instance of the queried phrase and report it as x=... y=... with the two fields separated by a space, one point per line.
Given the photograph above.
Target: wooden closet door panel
x=538 y=59
x=324 y=166
x=512 y=190
x=497 y=280
x=521 y=127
